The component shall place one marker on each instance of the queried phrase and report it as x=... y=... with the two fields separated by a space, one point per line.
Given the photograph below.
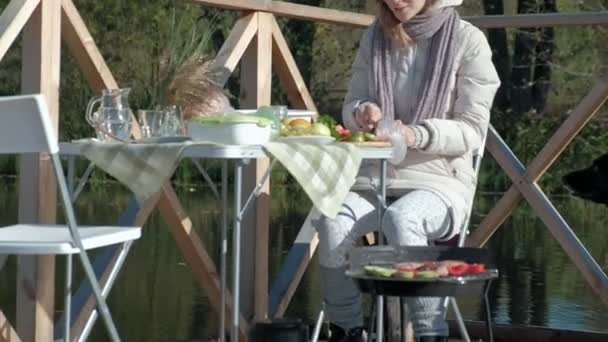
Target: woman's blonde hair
x=391 y=26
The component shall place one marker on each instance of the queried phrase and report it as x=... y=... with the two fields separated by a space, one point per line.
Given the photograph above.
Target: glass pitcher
x=112 y=119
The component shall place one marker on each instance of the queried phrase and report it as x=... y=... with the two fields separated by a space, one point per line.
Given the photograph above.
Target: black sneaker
x=353 y=335
x=432 y=338
x=336 y=333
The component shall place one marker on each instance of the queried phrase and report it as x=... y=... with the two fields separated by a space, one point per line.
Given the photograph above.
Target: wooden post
x=37 y=187
x=256 y=77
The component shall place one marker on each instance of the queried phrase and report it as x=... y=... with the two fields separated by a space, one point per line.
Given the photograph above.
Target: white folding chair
x=25 y=128
x=464 y=231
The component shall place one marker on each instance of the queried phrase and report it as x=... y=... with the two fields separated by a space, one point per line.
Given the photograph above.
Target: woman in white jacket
x=422 y=66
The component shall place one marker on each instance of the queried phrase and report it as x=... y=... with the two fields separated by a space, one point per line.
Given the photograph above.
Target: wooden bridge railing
x=257 y=43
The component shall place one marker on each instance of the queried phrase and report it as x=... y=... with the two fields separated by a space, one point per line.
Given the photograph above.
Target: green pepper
x=369 y=137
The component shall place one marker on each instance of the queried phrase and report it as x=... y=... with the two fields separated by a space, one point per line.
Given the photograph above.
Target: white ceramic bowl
x=230 y=133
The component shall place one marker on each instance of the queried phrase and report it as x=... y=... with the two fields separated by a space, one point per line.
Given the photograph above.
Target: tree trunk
x=500 y=54
x=544 y=56
x=523 y=61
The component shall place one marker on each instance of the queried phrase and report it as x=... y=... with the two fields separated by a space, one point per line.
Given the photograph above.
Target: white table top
x=231 y=151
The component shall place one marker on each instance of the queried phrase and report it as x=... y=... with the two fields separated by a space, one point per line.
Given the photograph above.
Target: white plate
x=311 y=139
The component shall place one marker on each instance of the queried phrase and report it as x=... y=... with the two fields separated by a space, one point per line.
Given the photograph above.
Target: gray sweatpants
x=414 y=219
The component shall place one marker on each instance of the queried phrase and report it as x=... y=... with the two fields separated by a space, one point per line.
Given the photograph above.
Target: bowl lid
x=233 y=117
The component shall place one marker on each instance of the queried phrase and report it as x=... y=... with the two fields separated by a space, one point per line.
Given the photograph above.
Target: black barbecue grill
x=453 y=286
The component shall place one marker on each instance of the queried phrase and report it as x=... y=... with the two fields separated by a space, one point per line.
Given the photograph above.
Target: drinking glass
x=280 y=113
x=171 y=123
x=150 y=122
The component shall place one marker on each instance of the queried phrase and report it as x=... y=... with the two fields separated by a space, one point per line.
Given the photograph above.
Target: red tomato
x=476 y=268
x=408 y=266
x=458 y=269
x=431 y=264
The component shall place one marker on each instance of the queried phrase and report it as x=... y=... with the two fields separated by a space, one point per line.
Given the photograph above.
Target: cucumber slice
x=378 y=271
x=427 y=274
x=404 y=274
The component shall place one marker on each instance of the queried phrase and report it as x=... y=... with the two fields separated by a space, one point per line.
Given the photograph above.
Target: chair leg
x=372 y=320
x=379 y=319
x=102 y=306
x=317 y=331
x=68 y=298
x=463 y=329
x=486 y=300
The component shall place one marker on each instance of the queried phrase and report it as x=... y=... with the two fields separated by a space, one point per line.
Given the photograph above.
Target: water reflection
x=156 y=298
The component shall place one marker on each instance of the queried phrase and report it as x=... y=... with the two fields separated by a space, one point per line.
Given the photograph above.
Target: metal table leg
x=239 y=211
x=236 y=250
x=223 y=251
x=381 y=241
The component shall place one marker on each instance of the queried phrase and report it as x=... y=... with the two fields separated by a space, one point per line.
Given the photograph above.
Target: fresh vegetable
x=404 y=274
x=457 y=269
x=425 y=270
x=327 y=120
x=357 y=137
x=342 y=132
x=428 y=274
x=320 y=129
x=379 y=271
x=369 y=137
x=408 y=266
x=476 y=268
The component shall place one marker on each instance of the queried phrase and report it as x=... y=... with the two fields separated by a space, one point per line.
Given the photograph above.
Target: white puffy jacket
x=445 y=165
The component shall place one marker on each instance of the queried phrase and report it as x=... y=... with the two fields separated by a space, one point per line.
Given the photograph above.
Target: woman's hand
x=406 y=131
x=410 y=136
x=368 y=116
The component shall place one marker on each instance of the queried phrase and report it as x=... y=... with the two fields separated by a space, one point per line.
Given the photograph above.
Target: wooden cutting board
x=373 y=144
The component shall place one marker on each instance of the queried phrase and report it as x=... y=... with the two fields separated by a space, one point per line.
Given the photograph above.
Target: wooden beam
x=7 y=333
x=543 y=207
x=92 y=64
x=359 y=20
x=575 y=122
x=41 y=61
x=293 y=10
x=82 y=46
x=288 y=71
x=234 y=47
x=193 y=251
x=294 y=266
x=540 y=20
x=12 y=20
